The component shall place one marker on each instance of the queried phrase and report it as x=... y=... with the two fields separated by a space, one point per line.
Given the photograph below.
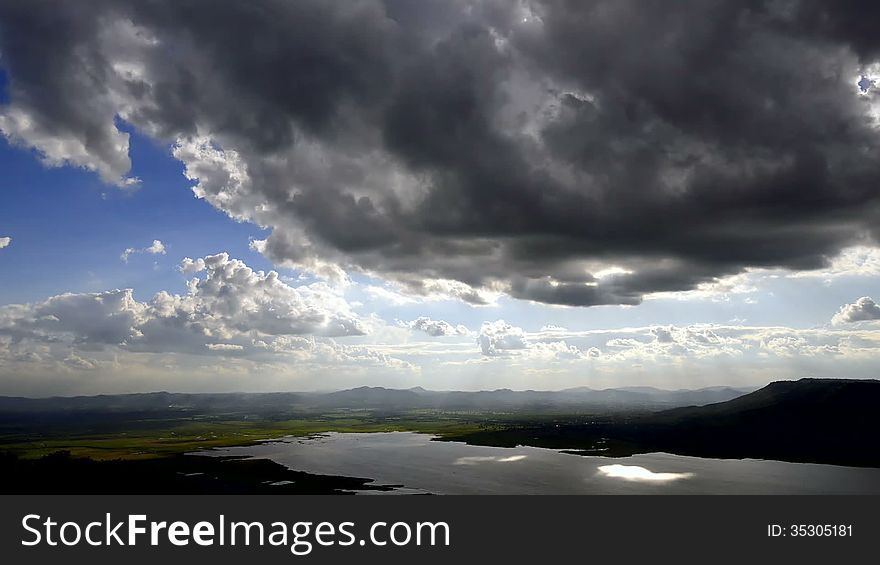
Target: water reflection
x=477 y=459
x=640 y=474
x=423 y=465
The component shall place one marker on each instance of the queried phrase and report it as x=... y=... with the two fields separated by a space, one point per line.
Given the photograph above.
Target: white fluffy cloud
x=155 y=248
x=231 y=299
x=225 y=310
x=56 y=148
x=862 y=310
x=5 y=241
x=499 y=336
x=233 y=322
x=88 y=321
x=435 y=328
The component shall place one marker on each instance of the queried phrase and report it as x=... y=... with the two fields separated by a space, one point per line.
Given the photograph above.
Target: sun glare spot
x=866 y=80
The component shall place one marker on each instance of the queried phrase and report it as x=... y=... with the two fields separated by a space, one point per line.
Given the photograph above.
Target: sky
x=453 y=194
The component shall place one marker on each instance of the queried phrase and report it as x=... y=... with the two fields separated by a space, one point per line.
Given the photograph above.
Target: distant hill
x=831 y=420
x=375 y=398
x=810 y=420
x=152 y=401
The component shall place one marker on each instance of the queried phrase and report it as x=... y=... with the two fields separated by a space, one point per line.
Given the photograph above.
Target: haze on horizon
x=453 y=194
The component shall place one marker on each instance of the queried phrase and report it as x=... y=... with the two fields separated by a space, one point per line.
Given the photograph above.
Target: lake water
x=420 y=465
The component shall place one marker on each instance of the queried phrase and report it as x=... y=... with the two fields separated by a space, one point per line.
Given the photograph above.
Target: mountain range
x=380 y=399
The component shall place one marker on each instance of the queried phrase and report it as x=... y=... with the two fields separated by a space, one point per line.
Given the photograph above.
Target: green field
x=116 y=453
x=152 y=439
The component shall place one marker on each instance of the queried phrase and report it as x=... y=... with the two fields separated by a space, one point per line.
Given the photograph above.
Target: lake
x=420 y=465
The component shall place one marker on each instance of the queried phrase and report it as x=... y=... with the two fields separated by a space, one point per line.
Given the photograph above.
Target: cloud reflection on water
x=476 y=460
x=640 y=474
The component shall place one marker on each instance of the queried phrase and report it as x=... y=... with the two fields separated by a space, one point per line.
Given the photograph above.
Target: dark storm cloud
x=520 y=147
x=850 y=21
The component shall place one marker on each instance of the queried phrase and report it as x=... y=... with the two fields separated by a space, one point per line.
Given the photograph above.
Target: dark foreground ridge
x=59 y=473
x=833 y=421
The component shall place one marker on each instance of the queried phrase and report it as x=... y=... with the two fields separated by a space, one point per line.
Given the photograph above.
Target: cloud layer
x=532 y=148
